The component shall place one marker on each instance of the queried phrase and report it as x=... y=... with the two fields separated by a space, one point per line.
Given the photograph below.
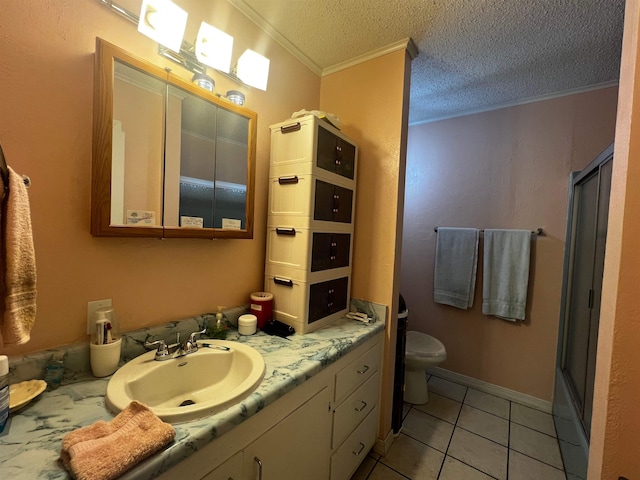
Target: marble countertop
x=30 y=444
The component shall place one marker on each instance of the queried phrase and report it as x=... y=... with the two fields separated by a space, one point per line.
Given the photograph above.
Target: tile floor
x=465 y=434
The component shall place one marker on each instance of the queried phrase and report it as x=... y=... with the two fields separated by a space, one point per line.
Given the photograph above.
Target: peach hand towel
x=105 y=450
x=18 y=265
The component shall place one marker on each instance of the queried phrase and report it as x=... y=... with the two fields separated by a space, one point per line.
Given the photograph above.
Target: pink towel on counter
x=105 y=450
x=17 y=265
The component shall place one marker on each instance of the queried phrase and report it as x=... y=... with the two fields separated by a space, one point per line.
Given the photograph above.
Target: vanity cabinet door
x=297 y=447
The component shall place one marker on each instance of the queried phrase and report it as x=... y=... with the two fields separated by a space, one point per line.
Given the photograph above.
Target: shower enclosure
x=580 y=311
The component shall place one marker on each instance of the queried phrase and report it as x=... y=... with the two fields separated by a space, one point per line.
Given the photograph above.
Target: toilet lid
x=423 y=345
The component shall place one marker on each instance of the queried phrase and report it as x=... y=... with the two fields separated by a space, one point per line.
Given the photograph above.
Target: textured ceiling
x=474 y=55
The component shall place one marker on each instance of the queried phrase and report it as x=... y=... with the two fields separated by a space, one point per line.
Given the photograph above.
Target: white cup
x=105 y=358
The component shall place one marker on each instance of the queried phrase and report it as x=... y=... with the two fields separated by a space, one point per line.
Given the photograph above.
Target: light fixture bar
x=185 y=58
x=132 y=17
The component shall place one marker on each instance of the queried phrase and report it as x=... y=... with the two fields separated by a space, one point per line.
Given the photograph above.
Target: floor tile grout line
x=372 y=469
x=534 y=429
x=538 y=460
x=393 y=469
x=452 y=432
x=482 y=436
x=471 y=466
x=437 y=418
x=485 y=411
x=517 y=423
x=455 y=425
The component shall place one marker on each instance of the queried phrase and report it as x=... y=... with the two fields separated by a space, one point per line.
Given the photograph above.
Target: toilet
x=422 y=352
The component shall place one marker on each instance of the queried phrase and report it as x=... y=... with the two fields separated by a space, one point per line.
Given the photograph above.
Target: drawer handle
x=286 y=231
x=362 y=407
x=288 y=180
x=359 y=451
x=294 y=127
x=259 y=462
x=365 y=369
x=283 y=281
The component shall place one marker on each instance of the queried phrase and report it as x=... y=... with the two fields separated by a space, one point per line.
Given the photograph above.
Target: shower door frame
x=570 y=426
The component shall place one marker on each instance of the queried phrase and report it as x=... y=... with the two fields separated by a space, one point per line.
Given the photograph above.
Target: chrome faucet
x=175 y=350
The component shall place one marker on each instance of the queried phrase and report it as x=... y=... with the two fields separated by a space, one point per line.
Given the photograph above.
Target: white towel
x=506 y=273
x=17 y=265
x=455 y=267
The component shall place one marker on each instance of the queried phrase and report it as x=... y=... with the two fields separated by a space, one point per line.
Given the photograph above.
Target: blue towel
x=506 y=273
x=455 y=266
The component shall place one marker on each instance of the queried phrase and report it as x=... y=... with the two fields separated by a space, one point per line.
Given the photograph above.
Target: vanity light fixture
x=214 y=47
x=164 y=22
x=253 y=69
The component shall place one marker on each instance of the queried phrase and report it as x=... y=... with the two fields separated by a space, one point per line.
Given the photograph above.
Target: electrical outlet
x=91 y=312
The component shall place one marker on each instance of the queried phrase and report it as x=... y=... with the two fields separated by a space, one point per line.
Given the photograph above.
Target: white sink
x=204 y=382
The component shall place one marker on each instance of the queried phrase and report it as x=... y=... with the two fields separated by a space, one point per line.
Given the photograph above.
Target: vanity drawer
x=351 y=453
x=354 y=375
x=354 y=409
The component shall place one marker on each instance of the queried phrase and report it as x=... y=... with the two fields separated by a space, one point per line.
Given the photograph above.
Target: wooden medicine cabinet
x=170 y=159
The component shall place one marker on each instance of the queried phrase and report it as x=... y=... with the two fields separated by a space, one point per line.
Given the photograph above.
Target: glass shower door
x=578 y=334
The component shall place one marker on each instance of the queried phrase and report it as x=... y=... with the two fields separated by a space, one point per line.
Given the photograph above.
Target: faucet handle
x=162 y=350
x=191 y=345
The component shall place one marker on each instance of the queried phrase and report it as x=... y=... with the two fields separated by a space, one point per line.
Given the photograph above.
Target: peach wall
x=507 y=168
x=46 y=95
x=616 y=420
x=372 y=100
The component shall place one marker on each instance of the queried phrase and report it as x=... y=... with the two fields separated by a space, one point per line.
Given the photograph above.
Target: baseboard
x=383 y=445
x=496 y=390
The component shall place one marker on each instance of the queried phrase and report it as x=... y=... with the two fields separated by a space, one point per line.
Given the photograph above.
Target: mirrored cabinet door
x=137 y=148
x=170 y=159
x=232 y=147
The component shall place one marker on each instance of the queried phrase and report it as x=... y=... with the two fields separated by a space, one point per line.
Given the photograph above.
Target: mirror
x=170 y=159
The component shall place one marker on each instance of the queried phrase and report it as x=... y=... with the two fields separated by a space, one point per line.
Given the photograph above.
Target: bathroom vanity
x=314 y=415
x=322 y=429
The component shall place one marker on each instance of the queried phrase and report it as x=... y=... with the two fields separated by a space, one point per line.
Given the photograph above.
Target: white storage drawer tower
x=312 y=186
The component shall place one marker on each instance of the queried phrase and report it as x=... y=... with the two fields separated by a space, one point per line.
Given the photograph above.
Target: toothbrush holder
x=105 y=358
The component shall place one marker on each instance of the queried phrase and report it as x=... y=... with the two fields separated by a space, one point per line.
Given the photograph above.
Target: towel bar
x=538 y=231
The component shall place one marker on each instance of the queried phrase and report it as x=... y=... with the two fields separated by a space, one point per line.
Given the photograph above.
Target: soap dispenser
x=218 y=329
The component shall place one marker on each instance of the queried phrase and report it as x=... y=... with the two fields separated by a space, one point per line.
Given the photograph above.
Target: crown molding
x=275 y=35
x=524 y=101
x=405 y=44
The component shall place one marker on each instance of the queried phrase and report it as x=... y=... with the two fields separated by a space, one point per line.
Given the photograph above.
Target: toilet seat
x=422 y=345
